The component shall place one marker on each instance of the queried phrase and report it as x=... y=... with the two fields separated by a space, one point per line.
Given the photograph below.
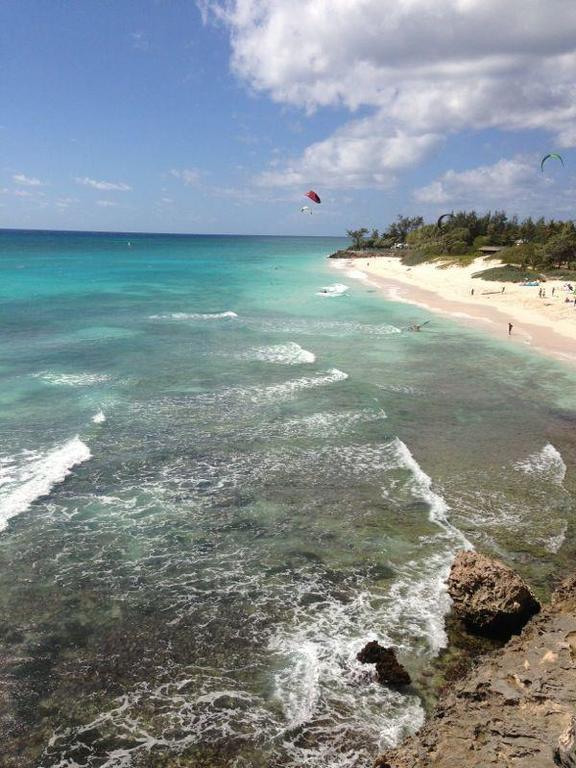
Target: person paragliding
x=550 y=156
x=313 y=196
x=306 y=209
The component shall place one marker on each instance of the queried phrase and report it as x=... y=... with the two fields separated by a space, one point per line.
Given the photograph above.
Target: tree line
x=537 y=244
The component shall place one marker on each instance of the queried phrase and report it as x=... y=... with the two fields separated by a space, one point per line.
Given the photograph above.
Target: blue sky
x=176 y=116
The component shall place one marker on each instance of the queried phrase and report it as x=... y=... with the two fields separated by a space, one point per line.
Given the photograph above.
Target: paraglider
x=313 y=196
x=551 y=155
x=444 y=216
x=306 y=209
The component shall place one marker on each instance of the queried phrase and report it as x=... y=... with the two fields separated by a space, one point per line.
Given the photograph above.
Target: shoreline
x=514 y=706
x=547 y=325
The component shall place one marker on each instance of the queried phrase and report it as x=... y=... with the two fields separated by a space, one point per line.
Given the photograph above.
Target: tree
x=401 y=228
x=357 y=237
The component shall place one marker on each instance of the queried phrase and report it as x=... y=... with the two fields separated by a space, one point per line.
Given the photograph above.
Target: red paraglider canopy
x=313 y=196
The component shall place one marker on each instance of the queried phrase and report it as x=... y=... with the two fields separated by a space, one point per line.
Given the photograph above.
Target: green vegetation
x=506 y=273
x=530 y=246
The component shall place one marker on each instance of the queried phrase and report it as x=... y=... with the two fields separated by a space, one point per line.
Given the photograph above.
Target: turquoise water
x=217 y=482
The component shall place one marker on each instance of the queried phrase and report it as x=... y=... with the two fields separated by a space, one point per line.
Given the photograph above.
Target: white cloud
x=425 y=67
x=107 y=186
x=27 y=193
x=510 y=181
x=106 y=203
x=190 y=176
x=26 y=181
x=64 y=202
x=364 y=153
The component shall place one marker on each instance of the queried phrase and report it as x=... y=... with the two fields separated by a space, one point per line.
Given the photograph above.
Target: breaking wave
x=195 y=316
x=259 y=395
x=281 y=354
x=547 y=464
x=73 y=379
x=338 y=289
x=30 y=475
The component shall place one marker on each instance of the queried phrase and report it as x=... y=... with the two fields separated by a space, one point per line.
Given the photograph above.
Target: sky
x=216 y=116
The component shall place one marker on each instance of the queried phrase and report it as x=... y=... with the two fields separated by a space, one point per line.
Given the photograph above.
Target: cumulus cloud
x=425 y=67
x=26 y=181
x=190 y=176
x=106 y=186
x=361 y=154
x=514 y=180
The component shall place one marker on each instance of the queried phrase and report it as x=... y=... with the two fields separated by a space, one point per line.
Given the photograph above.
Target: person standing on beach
x=503 y=288
x=472 y=292
x=510 y=326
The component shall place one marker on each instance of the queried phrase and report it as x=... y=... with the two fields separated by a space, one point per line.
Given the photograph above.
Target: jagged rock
x=565 y=754
x=489 y=596
x=389 y=671
x=508 y=712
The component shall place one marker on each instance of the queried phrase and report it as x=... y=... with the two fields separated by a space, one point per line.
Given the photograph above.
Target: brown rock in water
x=509 y=711
x=489 y=596
x=389 y=671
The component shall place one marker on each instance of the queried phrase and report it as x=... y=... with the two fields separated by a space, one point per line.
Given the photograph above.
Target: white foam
x=99 y=418
x=281 y=354
x=329 y=291
x=318 y=672
x=261 y=395
x=404 y=389
x=288 y=388
x=28 y=476
x=548 y=464
x=195 y=316
x=336 y=328
x=422 y=487
x=73 y=379
x=330 y=424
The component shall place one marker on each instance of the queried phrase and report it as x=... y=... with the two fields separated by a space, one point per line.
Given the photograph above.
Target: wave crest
x=30 y=475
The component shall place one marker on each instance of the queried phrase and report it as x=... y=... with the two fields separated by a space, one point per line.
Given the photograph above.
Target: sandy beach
x=547 y=323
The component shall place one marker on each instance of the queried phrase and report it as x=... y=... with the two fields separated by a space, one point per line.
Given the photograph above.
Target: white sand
x=548 y=323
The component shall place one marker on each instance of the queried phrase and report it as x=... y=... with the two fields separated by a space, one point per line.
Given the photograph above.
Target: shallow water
x=217 y=482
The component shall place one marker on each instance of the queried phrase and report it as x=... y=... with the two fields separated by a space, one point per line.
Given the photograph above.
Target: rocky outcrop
x=516 y=709
x=389 y=671
x=489 y=596
x=565 y=754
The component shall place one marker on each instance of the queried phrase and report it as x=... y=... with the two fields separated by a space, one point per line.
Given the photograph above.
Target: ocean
x=225 y=466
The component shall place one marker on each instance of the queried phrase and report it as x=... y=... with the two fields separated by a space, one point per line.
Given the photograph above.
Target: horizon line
x=169 y=234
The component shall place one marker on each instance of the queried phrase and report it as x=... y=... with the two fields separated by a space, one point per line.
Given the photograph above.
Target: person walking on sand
x=510 y=326
x=472 y=292
x=503 y=288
